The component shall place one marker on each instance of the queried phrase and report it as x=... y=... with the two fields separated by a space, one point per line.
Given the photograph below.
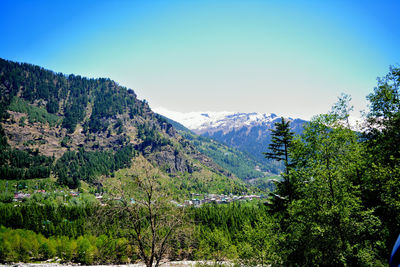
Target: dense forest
x=337 y=203
x=56 y=99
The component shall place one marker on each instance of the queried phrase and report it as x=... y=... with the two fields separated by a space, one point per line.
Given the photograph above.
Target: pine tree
x=279 y=150
x=281 y=139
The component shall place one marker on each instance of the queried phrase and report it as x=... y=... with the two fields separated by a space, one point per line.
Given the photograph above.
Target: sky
x=291 y=58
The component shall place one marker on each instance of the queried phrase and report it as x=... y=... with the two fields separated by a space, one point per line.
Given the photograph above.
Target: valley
x=90 y=174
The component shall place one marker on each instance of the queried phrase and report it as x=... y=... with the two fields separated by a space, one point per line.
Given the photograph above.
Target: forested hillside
x=78 y=129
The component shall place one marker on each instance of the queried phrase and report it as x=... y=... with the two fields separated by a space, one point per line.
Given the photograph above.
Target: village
x=196 y=199
x=199 y=199
x=20 y=196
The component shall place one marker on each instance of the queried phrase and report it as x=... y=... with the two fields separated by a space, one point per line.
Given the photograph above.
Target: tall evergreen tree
x=281 y=139
x=279 y=150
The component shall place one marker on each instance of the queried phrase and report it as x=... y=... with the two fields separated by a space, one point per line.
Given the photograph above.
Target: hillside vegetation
x=78 y=129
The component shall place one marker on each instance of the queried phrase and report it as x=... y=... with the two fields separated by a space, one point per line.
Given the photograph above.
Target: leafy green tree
x=258 y=246
x=148 y=221
x=381 y=184
x=47 y=248
x=85 y=250
x=327 y=223
x=217 y=246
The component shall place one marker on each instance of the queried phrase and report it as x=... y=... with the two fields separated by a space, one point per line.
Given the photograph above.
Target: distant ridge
x=247 y=132
x=205 y=121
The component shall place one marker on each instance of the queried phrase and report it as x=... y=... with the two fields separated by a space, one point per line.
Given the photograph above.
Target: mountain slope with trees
x=235 y=161
x=249 y=133
x=77 y=129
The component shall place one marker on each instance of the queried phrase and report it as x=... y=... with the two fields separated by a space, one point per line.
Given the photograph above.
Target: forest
x=337 y=203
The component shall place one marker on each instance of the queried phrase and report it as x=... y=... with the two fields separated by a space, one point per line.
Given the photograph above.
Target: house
x=19 y=196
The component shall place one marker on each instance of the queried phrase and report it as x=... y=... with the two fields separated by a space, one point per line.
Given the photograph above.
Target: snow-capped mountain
x=248 y=132
x=194 y=120
x=203 y=122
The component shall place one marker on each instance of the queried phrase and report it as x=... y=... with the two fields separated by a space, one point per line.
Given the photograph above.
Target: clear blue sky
x=287 y=57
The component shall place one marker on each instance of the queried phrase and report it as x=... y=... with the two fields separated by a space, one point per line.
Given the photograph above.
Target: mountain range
x=249 y=133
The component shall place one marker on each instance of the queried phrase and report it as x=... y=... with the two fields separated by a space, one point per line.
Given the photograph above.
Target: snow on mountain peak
x=193 y=120
x=225 y=120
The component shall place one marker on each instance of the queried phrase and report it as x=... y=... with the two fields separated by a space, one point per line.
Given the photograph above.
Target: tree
x=279 y=150
x=382 y=141
x=149 y=220
x=327 y=224
x=259 y=244
x=385 y=100
x=384 y=119
x=281 y=139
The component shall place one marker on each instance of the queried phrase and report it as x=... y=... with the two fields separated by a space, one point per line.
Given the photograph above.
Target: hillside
x=229 y=158
x=79 y=129
x=249 y=133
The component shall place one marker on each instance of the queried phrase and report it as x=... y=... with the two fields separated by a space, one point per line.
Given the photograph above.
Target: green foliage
x=381 y=181
x=258 y=243
x=35 y=114
x=108 y=104
x=281 y=140
x=186 y=183
x=65 y=141
x=18 y=164
x=44 y=215
x=343 y=208
x=267 y=184
x=217 y=246
x=21 y=245
x=237 y=231
x=28 y=185
x=6 y=197
x=228 y=158
x=253 y=141
x=325 y=223
x=22 y=121
x=73 y=166
x=151 y=137
x=385 y=102
x=67 y=95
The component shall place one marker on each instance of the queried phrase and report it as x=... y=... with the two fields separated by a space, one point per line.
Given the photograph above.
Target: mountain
x=85 y=130
x=249 y=133
x=227 y=157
